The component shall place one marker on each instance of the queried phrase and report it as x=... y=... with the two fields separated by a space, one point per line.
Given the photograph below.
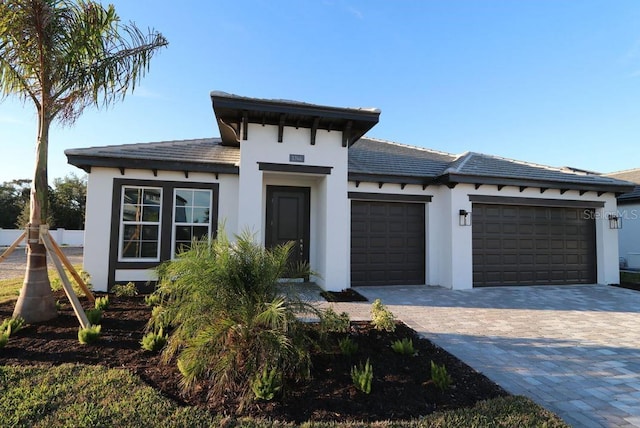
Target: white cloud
x=143 y=92
x=12 y=120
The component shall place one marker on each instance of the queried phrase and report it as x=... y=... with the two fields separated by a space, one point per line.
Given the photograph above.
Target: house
x=629 y=217
x=362 y=211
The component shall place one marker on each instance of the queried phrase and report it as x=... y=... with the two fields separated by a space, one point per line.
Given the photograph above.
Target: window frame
x=174 y=224
x=123 y=223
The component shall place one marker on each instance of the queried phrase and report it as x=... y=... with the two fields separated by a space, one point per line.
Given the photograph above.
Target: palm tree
x=63 y=55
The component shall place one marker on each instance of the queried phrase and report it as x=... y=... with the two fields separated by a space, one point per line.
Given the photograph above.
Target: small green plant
x=266 y=384
x=4 y=338
x=381 y=317
x=347 y=346
x=11 y=325
x=153 y=342
x=59 y=305
x=102 y=303
x=89 y=334
x=440 y=377
x=94 y=316
x=152 y=300
x=127 y=290
x=330 y=321
x=404 y=346
x=362 y=376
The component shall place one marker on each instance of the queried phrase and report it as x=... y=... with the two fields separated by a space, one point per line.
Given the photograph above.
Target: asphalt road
x=15 y=265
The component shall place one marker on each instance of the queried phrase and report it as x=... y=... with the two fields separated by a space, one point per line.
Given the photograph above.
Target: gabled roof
x=204 y=154
x=234 y=113
x=632 y=175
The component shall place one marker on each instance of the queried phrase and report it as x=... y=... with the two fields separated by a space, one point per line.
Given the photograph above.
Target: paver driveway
x=573 y=349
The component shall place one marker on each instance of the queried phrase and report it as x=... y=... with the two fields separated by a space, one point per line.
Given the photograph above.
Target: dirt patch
x=401 y=387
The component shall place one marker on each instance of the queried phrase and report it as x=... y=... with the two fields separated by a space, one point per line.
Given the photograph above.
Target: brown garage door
x=387 y=243
x=525 y=245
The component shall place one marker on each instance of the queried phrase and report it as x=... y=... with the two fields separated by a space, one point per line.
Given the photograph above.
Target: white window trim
x=121 y=258
x=173 y=215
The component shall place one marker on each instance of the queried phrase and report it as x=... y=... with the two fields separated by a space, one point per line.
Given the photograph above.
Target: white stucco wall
x=330 y=221
x=98 y=216
x=629 y=235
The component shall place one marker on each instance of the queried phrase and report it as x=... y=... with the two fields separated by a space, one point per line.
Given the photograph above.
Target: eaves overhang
x=452 y=179
x=234 y=113
x=86 y=162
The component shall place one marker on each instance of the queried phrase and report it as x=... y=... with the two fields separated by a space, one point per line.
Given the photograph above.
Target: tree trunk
x=36 y=302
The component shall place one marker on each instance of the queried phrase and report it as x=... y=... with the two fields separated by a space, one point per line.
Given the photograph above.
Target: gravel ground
x=15 y=265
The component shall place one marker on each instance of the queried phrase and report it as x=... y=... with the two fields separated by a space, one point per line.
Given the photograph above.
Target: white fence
x=72 y=238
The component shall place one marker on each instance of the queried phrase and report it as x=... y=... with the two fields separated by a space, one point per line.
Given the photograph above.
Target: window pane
x=131 y=231
x=202 y=198
x=183 y=233
x=150 y=233
x=151 y=197
x=149 y=249
x=200 y=215
x=184 y=197
x=131 y=249
x=132 y=195
x=181 y=214
x=151 y=213
x=182 y=246
x=130 y=212
x=200 y=231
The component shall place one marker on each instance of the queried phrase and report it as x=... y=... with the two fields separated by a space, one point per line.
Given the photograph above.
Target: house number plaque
x=296 y=158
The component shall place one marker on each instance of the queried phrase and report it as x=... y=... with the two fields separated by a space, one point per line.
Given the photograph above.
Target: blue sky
x=555 y=82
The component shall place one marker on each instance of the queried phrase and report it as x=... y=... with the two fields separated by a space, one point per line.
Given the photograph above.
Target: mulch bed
x=629 y=286
x=347 y=295
x=401 y=387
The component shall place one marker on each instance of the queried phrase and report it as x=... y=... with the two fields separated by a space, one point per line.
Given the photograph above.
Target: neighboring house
x=362 y=211
x=629 y=214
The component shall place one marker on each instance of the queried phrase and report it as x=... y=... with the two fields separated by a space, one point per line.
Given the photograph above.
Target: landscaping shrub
x=404 y=346
x=11 y=325
x=362 y=376
x=102 y=303
x=153 y=342
x=440 y=377
x=89 y=335
x=125 y=290
x=94 y=316
x=152 y=300
x=330 y=321
x=381 y=317
x=266 y=384
x=4 y=338
x=250 y=324
x=347 y=346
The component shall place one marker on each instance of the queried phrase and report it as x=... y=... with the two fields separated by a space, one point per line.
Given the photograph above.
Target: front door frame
x=304 y=231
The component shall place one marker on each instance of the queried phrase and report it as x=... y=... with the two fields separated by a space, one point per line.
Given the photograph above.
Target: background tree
x=14 y=196
x=63 y=56
x=69 y=201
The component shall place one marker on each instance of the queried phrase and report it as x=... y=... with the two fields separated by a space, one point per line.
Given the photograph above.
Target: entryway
x=288 y=219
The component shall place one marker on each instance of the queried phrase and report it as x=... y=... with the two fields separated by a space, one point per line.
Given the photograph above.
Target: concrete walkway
x=575 y=350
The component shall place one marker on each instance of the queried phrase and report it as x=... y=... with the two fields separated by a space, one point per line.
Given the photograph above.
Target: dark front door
x=288 y=220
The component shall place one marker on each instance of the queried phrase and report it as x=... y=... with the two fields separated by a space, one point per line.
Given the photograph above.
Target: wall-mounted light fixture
x=615 y=222
x=465 y=218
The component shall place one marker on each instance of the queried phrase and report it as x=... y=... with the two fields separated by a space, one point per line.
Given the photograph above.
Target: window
x=140 y=223
x=191 y=217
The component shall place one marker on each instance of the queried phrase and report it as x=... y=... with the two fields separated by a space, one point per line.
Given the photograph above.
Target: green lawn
x=630 y=277
x=93 y=396
x=10 y=288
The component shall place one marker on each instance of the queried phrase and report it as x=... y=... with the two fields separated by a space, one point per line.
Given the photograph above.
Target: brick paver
x=573 y=349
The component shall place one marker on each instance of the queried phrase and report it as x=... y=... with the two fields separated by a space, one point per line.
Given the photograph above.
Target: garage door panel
x=394 y=253
x=524 y=245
